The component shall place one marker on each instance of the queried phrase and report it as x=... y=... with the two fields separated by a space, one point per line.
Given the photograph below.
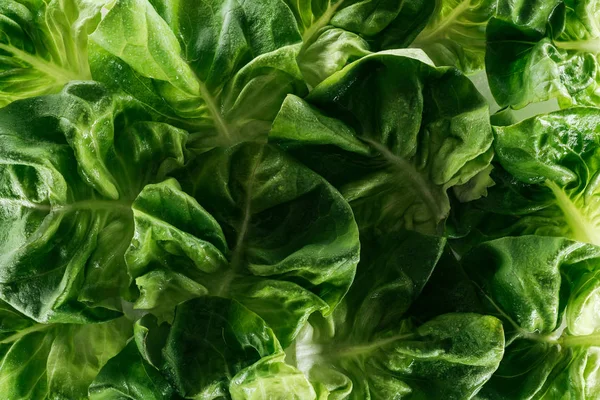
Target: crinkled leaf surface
x=218 y=68
x=367 y=350
x=43 y=45
x=545 y=291
x=56 y=361
x=337 y=32
x=215 y=348
x=385 y=133
x=71 y=164
x=552 y=53
x=455 y=34
x=129 y=376
x=546 y=179
x=251 y=224
x=145 y=253
x=384 y=24
x=327 y=52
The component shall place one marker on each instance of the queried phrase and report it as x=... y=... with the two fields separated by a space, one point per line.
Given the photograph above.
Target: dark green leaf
x=129 y=376
x=368 y=349
x=544 y=289
x=546 y=180
x=215 y=340
x=217 y=68
x=278 y=238
x=545 y=50
x=385 y=132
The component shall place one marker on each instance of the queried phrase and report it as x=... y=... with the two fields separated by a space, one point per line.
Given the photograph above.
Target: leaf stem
x=587 y=340
x=321 y=22
x=429 y=36
x=215 y=113
x=581 y=227
x=60 y=74
x=589 y=46
x=25 y=332
x=91 y=204
x=348 y=350
x=238 y=251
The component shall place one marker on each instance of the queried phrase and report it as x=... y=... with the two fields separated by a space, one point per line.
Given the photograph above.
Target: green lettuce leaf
x=384 y=24
x=217 y=68
x=215 y=348
x=368 y=349
x=43 y=45
x=233 y=340
x=56 y=361
x=386 y=134
x=545 y=292
x=71 y=165
x=546 y=180
x=249 y=224
x=327 y=52
x=552 y=54
x=129 y=376
x=337 y=32
x=455 y=34
x=532 y=15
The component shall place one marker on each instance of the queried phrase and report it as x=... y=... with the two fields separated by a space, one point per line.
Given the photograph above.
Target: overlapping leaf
x=368 y=349
x=278 y=238
x=215 y=348
x=217 y=68
x=55 y=361
x=545 y=291
x=43 y=45
x=546 y=179
x=455 y=34
x=544 y=50
x=382 y=131
x=70 y=166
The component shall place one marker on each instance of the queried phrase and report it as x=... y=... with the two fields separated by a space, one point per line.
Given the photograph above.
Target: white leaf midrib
x=588 y=46
x=236 y=262
x=321 y=22
x=60 y=74
x=422 y=185
x=581 y=227
x=91 y=205
x=428 y=36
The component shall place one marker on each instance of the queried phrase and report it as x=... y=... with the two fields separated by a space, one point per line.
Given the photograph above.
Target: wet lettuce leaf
x=222 y=69
x=43 y=45
x=217 y=68
x=545 y=290
x=215 y=348
x=129 y=376
x=246 y=223
x=337 y=32
x=545 y=172
x=299 y=200
x=384 y=134
x=546 y=50
x=369 y=349
x=384 y=24
x=71 y=165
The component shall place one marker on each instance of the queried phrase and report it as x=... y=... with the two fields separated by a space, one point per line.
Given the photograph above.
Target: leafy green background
x=311 y=200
